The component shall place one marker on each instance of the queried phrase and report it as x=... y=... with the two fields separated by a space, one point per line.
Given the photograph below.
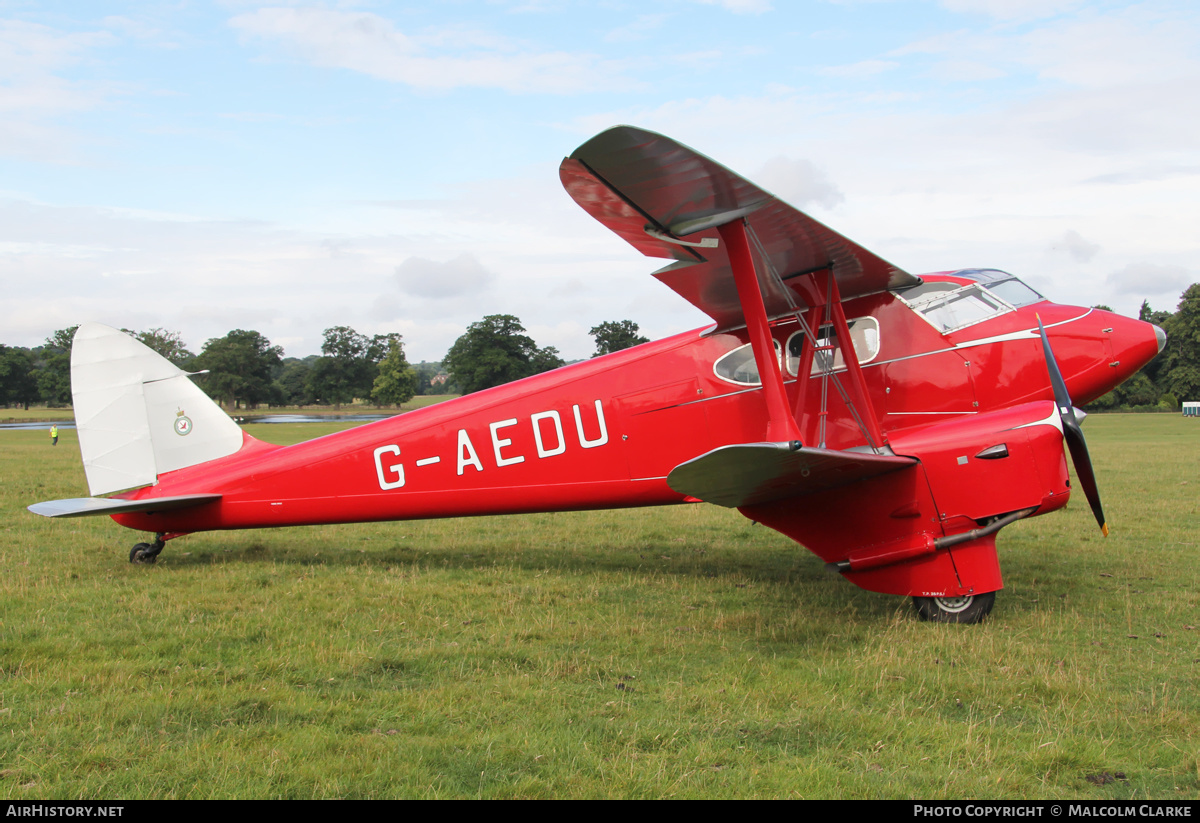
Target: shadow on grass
x=731 y=553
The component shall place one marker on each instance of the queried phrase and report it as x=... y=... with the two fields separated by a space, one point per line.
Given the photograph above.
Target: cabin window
x=738 y=366
x=952 y=310
x=864 y=334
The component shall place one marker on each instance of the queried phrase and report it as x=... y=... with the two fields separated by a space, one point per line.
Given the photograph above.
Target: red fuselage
x=606 y=432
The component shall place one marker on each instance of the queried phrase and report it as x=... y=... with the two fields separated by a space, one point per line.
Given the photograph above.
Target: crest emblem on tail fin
x=183 y=424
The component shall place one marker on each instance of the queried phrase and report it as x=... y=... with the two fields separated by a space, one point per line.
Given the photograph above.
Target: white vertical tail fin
x=138 y=415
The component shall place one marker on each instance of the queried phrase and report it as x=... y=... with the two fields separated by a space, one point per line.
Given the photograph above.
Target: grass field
x=677 y=652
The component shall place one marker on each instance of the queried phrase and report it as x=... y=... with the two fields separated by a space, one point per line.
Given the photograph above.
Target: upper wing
x=654 y=192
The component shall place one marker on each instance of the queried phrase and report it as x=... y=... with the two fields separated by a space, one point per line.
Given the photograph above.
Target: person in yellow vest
x=53 y=435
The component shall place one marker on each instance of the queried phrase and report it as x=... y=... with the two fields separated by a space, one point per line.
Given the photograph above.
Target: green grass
x=675 y=652
x=35 y=414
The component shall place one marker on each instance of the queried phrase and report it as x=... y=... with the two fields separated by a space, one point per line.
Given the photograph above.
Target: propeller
x=1076 y=443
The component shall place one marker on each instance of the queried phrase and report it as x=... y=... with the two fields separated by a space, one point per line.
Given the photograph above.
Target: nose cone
x=1125 y=345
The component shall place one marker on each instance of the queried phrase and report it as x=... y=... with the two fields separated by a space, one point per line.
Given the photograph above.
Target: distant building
x=1191 y=409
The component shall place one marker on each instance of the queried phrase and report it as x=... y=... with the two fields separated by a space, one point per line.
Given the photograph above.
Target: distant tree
x=1136 y=391
x=52 y=367
x=495 y=351
x=53 y=376
x=61 y=340
x=240 y=366
x=335 y=377
x=1153 y=369
x=397 y=380
x=349 y=365
x=425 y=374
x=1149 y=315
x=167 y=343
x=1180 y=372
x=545 y=359
x=290 y=384
x=612 y=336
x=18 y=382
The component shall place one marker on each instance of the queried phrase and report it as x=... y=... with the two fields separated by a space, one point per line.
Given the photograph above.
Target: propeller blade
x=1076 y=443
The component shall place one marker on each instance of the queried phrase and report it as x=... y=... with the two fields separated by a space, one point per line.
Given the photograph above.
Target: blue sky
x=392 y=166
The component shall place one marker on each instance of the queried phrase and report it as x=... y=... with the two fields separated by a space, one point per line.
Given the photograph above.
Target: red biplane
x=891 y=424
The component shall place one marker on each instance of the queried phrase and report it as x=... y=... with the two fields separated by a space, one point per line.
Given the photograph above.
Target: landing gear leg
x=965 y=609
x=147 y=553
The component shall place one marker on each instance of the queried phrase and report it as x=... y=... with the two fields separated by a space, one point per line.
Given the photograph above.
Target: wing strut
x=780 y=423
x=852 y=366
x=867 y=422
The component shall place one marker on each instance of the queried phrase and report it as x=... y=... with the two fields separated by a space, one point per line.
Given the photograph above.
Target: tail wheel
x=147 y=553
x=970 y=608
x=142 y=553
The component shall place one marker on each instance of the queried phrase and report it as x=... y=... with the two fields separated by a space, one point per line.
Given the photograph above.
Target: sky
x=392 y=166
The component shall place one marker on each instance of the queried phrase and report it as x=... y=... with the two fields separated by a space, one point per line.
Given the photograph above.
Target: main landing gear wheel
x=146 y=553
x=965 y=609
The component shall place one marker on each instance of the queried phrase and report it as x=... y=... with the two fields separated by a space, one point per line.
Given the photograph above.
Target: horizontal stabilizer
x=87 y=506
x=747 y=474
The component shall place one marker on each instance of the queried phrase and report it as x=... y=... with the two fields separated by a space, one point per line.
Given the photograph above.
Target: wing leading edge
x=666 y=200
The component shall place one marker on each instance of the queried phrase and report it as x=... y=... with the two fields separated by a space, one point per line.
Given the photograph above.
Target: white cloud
x=1146 y=172
x=1012 y=9
x=966 y=71
x=1125 y=47
x=463 y=275
x=640 y=28
x=32 y=92
x=945 y=181
x=1150 y=279
x=798 y=182
x=1073 y=244
x=32 y=50
x=438 y=60
x=740 y=6
x=863 y=68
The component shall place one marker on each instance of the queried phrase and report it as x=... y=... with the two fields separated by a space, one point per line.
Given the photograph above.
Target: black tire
x=143 y=553
x=966 y=609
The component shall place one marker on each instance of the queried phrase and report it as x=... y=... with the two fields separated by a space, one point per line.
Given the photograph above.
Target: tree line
x=1173 y=376
x=244 y=370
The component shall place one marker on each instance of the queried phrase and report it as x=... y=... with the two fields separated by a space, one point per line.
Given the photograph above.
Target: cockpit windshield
x=950 y=306
x=1002 y=284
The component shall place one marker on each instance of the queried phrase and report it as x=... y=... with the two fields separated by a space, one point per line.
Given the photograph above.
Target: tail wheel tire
x=970 y=608
x=143 y=553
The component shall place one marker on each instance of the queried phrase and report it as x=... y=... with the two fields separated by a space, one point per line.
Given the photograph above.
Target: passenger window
x=738 y=366
x=864 y=334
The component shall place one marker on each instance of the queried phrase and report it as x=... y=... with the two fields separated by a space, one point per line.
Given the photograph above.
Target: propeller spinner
x=1076 y=443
